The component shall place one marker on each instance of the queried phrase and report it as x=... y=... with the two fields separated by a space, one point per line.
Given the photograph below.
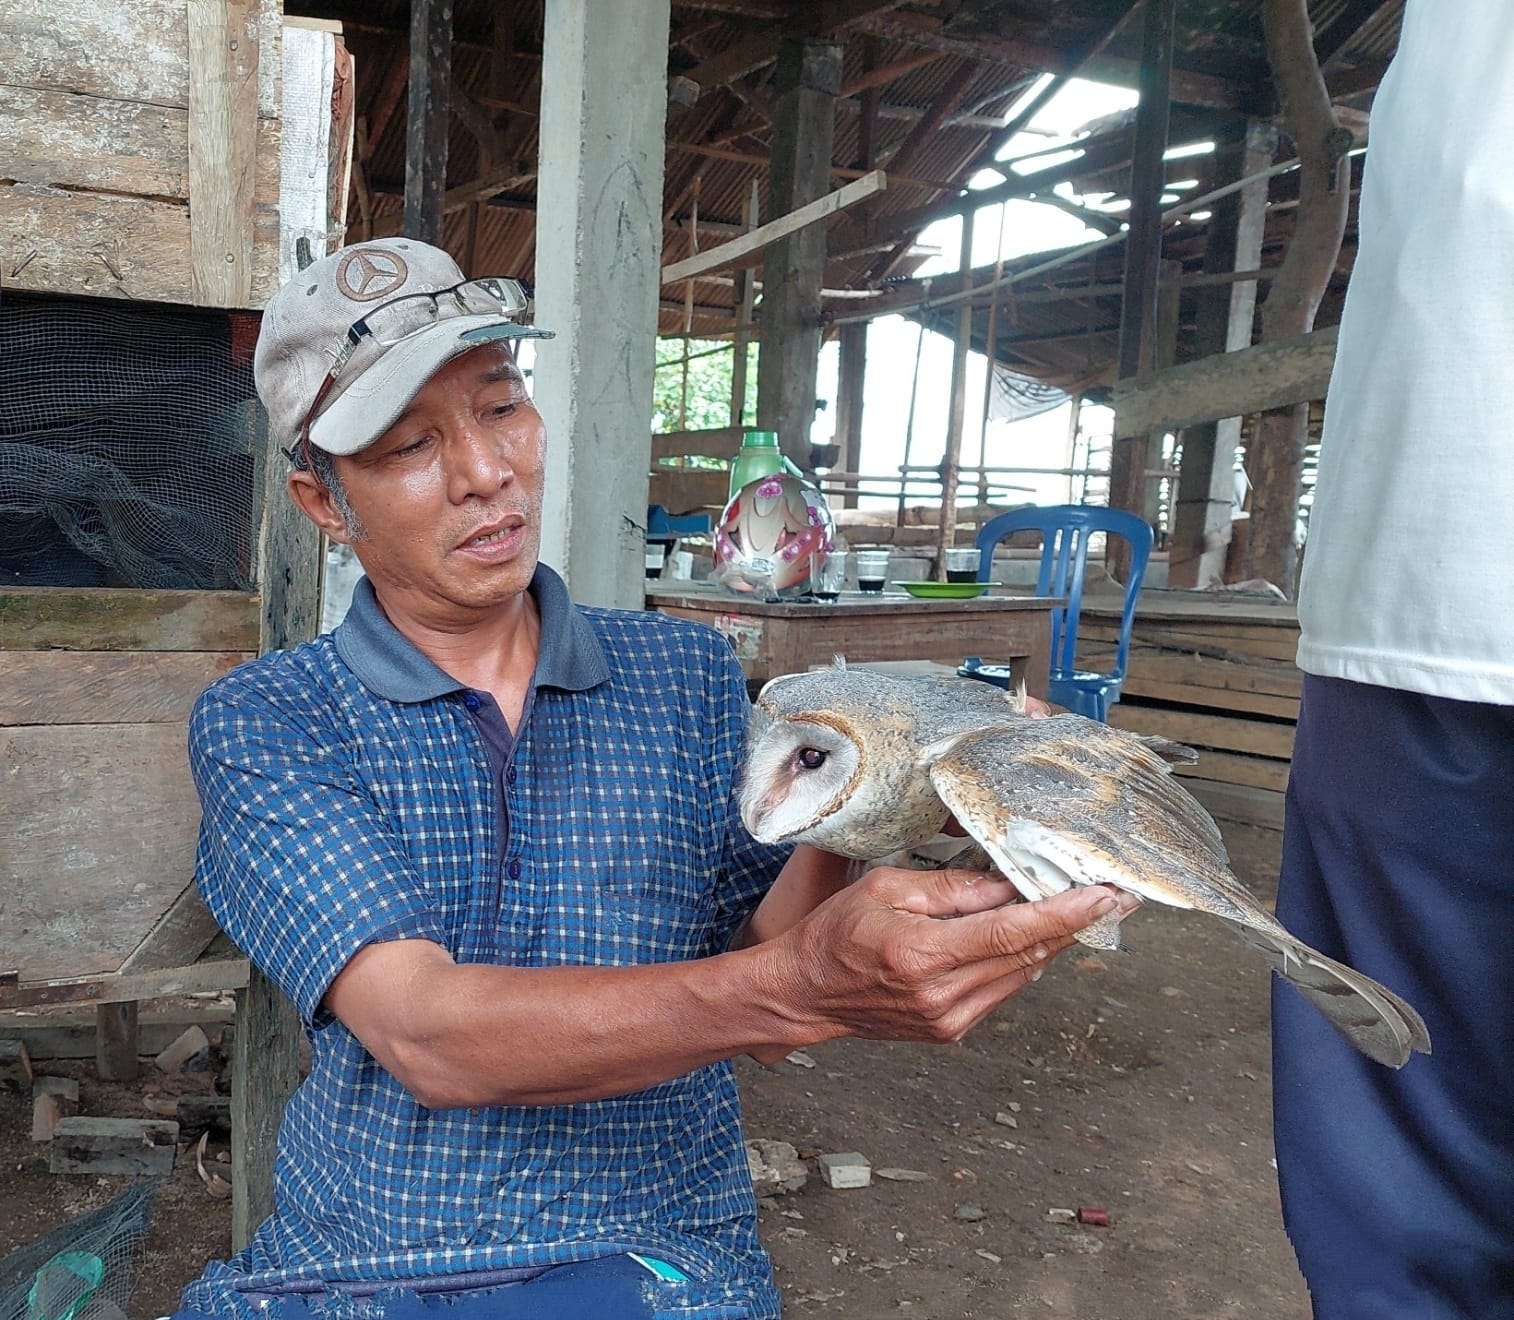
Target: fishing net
x=129 y=439
x=81 y=1270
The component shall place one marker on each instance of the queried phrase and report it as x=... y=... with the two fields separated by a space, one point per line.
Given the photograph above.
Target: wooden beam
x=387 y=101
x=223 y=114
x=508 y=175
x=1331 y=39
x=762 y=47
x=426 y=135
x=887 y=73
x=728 y=254
x=1189 y=87
x=1252 y=380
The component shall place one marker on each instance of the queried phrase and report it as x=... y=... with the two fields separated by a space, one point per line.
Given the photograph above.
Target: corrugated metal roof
x=980 y=55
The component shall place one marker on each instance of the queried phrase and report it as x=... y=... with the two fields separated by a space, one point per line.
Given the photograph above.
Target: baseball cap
x=354 y=316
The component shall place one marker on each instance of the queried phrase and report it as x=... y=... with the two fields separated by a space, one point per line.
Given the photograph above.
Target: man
x=1399 y=835
x=487 y=843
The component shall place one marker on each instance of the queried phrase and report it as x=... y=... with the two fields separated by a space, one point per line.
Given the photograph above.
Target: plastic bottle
x=759 y=456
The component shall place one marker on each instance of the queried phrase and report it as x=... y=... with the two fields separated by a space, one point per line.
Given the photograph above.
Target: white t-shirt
x=1408 y=575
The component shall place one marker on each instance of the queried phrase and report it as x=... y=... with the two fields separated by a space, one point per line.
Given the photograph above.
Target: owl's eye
x=811 y=758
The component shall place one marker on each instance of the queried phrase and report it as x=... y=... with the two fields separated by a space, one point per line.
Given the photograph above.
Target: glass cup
x=962 y=564
x=872 y=570
x=654 y=560
x=827 y=574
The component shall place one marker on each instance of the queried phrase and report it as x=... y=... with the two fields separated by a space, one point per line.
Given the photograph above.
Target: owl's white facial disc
x=797 y=774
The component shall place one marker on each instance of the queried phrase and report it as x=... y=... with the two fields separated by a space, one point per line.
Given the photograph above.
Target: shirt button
x=514 y=869
x=471 y=701
x=510 y=775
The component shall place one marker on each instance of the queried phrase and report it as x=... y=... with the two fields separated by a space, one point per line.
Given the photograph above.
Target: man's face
x=449 y=497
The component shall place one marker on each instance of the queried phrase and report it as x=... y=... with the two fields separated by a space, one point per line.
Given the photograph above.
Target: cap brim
x=373 y=402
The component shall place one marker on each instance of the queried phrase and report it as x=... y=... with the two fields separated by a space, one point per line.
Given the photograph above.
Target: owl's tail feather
x=1374 y=1019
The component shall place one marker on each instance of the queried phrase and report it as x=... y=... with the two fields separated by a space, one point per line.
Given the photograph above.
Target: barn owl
x=866 y=764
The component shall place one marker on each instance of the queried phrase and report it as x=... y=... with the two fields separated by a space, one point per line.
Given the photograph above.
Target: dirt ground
x=1134 y=1083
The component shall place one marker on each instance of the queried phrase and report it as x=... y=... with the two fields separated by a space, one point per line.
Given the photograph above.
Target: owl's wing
x=1067 y=801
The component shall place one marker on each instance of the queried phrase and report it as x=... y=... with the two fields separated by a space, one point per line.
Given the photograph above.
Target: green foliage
x=707 y=403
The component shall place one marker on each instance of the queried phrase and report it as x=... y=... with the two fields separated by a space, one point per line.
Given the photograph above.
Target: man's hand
x=920 y=955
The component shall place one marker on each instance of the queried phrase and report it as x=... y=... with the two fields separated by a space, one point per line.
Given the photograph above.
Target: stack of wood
x=1218 y=674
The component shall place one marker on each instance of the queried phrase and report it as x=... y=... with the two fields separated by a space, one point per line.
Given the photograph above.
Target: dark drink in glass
x=870 y=584
x=962 y=575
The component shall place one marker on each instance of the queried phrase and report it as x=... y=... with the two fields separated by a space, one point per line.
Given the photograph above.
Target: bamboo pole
x=946 y=528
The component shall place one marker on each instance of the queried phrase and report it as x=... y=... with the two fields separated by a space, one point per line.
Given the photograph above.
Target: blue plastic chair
x=1065 y=529
x=664 y=525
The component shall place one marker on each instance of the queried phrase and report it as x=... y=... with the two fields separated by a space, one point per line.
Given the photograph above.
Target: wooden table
x=785 y=637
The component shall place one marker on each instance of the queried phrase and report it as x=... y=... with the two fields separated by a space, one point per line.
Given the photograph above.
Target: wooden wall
x=140 y=143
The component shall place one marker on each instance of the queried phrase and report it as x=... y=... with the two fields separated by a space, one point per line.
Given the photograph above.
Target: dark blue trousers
x=1398 y=858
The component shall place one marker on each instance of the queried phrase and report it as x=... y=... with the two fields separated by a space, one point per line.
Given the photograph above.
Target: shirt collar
x=569 y=655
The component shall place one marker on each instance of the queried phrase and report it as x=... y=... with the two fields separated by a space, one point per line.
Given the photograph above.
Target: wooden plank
x=73 y=141
x=1273 y=375
x=727 y=254
x=53 y=240
x=1214 y=698
x=110 y=819
x=1282 y=647
x=717 y=442
x=1256 y=737
x=1249 y=806
x=1279 y=680
x=116 y=1042
x=133 y=1146
x=128 y=52
x=223 y=109
x=181 y=935
x=53 y=1098
x=68 y=1032
x=121 y=619
x=106 y=687
x=1201 y=606
x=1229 y=768
x=198 y=979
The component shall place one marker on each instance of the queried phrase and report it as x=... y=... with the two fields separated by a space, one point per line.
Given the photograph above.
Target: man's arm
x=876 y=959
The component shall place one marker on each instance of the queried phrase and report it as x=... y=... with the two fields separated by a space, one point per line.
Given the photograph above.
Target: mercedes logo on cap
x=367 y=273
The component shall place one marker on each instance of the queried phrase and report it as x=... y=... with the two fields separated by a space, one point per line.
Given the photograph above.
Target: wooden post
x=1143 y=248
x=223 y=122
x=806 y=84
x=265 y=1056
x=116 y=1042
x=1275 y=461
x=946 y=527
x=849 y=396
x=746 y=301
x=426 y=136
x=1224 y=317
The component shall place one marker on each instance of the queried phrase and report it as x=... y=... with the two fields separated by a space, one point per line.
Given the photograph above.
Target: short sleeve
x=295 y=861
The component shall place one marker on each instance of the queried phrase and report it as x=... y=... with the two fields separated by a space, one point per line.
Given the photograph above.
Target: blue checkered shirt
x=348 y=798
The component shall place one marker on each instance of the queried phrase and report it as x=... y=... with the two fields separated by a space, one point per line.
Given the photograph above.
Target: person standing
x=1398 y=1187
